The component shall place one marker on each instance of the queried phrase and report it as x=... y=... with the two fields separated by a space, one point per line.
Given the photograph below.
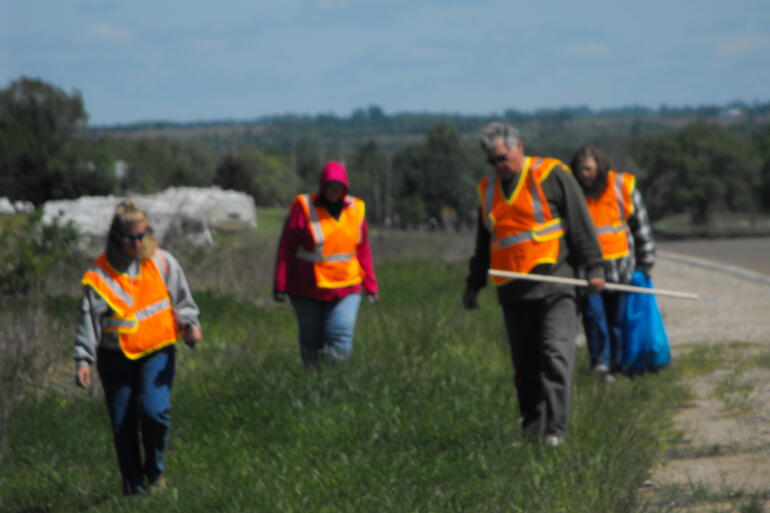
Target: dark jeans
x=541 y=334
x=138 y=395
x=603 y=325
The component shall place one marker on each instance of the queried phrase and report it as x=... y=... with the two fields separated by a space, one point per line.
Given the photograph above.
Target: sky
x=195 y=60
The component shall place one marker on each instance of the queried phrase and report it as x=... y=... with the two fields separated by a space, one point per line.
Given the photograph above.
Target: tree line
x=412 y=169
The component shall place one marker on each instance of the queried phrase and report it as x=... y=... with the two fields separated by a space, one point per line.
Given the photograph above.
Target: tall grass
x=423 y=418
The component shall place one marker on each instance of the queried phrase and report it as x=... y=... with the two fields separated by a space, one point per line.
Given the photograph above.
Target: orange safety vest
x=524 y=232
x=142 y=314
x=610 y=213
x=336 y=242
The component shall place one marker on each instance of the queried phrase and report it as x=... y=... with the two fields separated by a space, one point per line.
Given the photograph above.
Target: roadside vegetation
x=424 y=418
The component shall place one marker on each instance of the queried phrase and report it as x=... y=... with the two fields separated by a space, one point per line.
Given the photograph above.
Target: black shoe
x=135 y=492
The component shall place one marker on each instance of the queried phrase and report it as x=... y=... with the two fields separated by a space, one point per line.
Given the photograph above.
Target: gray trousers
x=541 y=334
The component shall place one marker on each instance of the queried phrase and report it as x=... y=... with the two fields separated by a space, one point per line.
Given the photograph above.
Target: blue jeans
x=603 y=325
x=138 y=395
x=326 y=324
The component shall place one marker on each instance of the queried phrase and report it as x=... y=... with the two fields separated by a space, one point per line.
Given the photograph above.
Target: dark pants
x=603 y=325
x=541 y=335
x=138 y=395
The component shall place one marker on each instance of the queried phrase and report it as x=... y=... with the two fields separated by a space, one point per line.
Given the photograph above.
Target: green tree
x=266 y=176
x=436 y=175
x=307 y=164
x=762 y=145
x=370 y=179
x=40 y=155
x=696 y=170
x=157 y=163
x=233 y=173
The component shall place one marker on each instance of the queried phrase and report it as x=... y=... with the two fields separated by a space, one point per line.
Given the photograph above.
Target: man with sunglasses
x=533 y=219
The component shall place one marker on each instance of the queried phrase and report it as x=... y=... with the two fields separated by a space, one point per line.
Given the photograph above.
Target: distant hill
x=564 y=126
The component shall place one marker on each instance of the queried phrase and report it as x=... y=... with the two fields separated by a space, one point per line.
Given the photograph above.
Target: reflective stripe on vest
x=333 y=255
x=523 y=231
x=103 y=282
x=142 y=313
x=610 y=213
x=316 y=257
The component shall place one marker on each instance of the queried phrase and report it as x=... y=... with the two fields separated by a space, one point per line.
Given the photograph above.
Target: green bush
x=33 y=328
x=29 y=251
x=423 y=418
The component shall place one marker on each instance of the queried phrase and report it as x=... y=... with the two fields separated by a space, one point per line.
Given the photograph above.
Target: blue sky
x=197 y=60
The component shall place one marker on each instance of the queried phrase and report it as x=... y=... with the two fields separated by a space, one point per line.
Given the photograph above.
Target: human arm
x=292 y=233
x=186 y=311
x=563 y=190
x=364 y=255
x=88 y=333
x=478 y=266
x=641 y=230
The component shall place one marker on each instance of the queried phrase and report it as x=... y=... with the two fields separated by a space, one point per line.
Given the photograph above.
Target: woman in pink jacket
x=324 y=261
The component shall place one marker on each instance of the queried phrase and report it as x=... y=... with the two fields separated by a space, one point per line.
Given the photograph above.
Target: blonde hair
x=127 y=215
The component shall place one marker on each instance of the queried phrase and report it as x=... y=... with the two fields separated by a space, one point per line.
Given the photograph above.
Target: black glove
x=469 y=299
x=279 y=296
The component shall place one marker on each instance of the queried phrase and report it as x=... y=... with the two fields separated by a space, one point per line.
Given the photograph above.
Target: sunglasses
x=133 y=237
x=498 y=159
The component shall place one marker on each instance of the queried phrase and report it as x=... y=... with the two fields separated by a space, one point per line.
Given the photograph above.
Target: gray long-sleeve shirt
x=94 y=310
x=578 y=248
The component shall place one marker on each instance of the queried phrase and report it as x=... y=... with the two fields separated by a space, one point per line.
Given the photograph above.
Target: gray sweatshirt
x=94 y=310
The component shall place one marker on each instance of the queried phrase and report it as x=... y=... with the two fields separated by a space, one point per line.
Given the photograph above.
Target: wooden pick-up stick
x=584 y=283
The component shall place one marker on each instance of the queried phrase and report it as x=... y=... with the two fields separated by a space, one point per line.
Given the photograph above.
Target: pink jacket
x=296 y=276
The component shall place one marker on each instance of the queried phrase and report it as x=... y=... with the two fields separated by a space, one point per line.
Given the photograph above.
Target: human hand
x=279 y=296
x=596 y=285
x=372 y=297
x=191 y=334
x=83 y=376
x=470 y=301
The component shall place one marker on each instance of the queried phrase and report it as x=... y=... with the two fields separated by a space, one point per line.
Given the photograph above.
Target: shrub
x=31 y=259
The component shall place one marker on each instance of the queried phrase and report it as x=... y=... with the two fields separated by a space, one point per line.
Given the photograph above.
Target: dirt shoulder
x=722 y=460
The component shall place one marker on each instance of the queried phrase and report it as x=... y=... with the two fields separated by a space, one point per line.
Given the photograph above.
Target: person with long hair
x=627 y=244
x=136 y=302
x=324 y=262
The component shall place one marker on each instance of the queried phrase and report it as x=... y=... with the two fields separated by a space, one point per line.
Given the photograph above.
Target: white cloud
x=742 y=46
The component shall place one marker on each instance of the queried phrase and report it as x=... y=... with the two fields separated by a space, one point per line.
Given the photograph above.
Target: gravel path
x=734 y=305
x=724 y=460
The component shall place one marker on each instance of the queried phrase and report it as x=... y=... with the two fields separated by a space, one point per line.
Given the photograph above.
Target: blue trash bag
x=645 y=343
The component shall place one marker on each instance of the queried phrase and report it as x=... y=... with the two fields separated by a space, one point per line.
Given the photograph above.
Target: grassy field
x=422 y=419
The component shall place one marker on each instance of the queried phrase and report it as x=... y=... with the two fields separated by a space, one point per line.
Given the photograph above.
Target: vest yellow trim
x=610 y=212
x=148 y=298
x=524 y=232
x=95 y=286
x=334 y=257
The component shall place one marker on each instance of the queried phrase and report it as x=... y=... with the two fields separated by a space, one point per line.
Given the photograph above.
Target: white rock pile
x=178 y=215
x=8 y=207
